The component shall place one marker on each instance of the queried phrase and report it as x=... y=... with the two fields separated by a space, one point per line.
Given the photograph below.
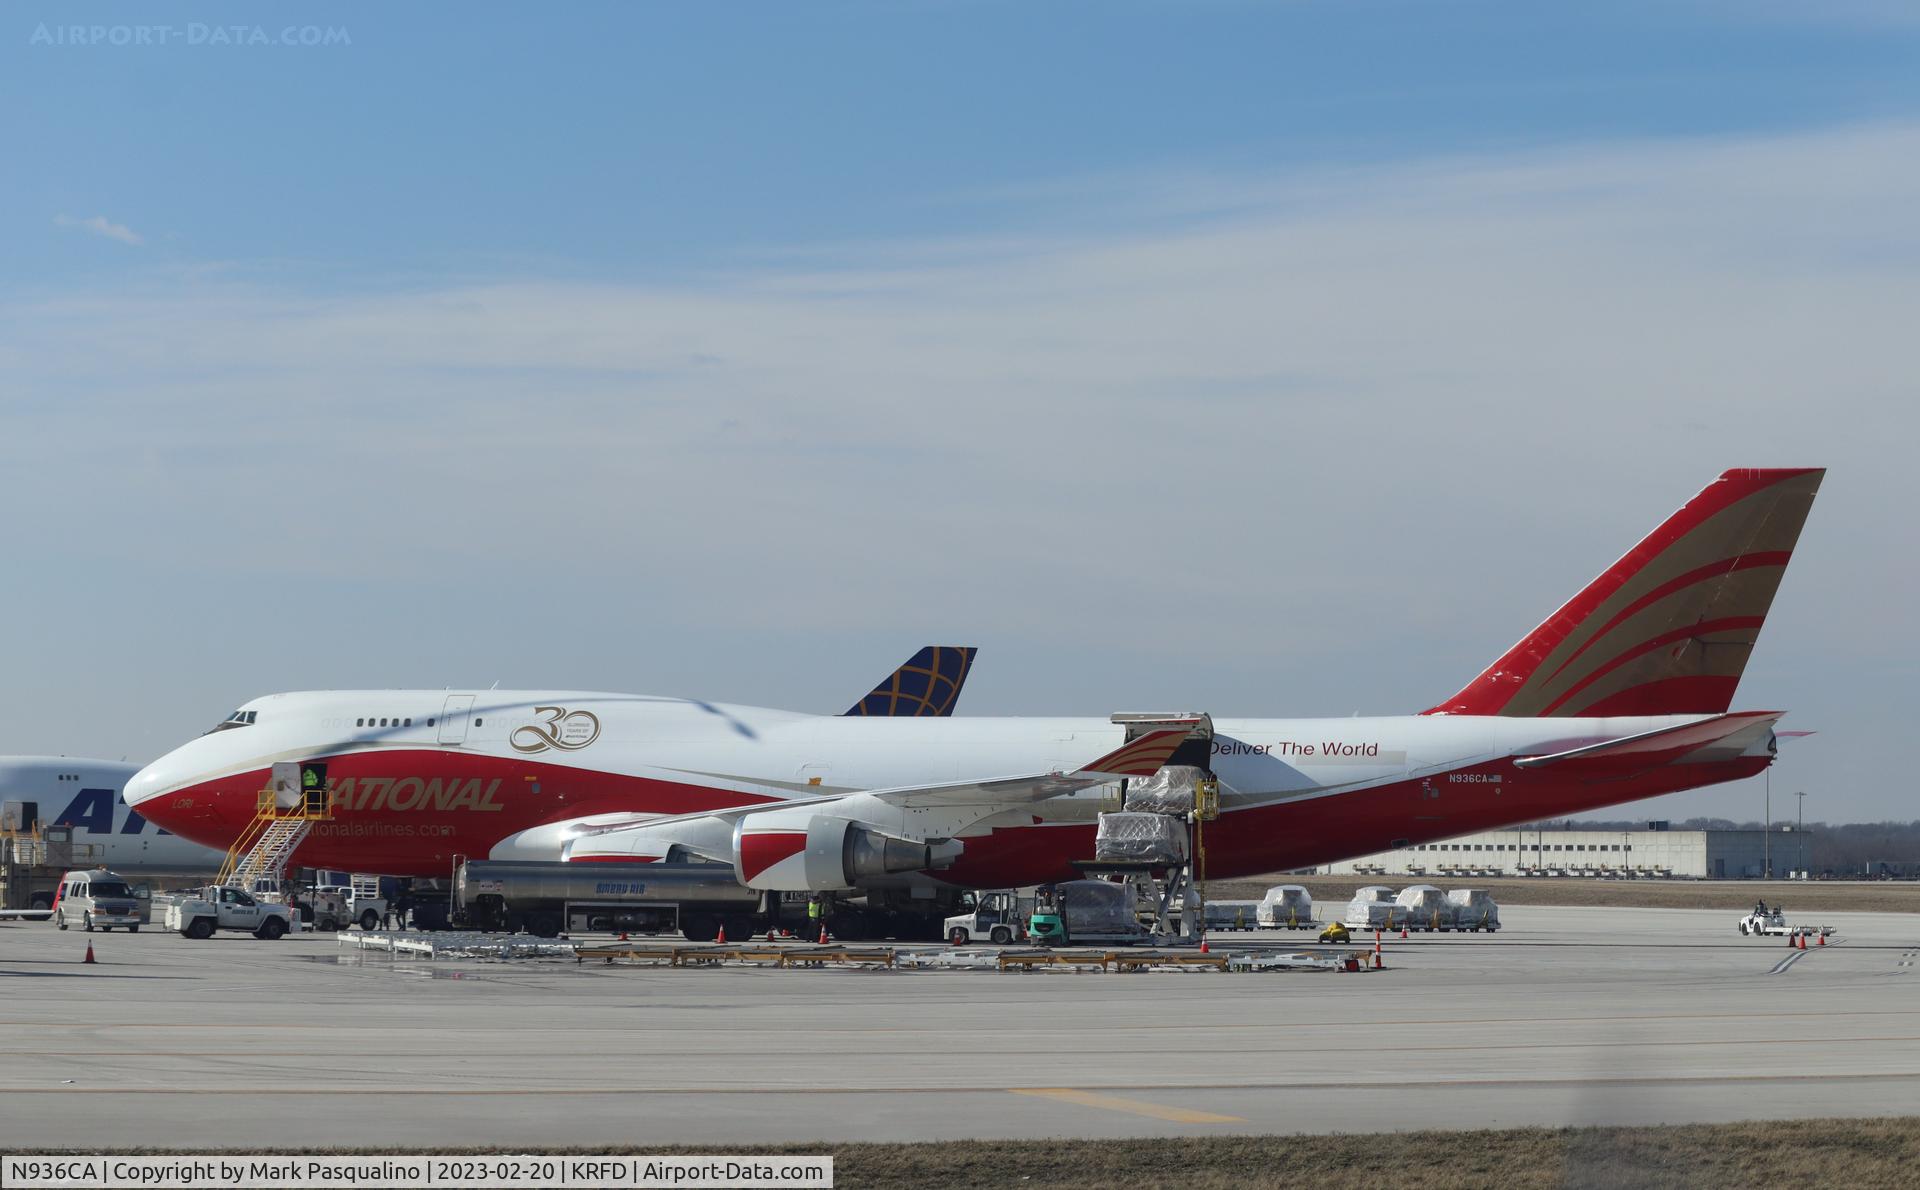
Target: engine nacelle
x=803 y=851
x=684 y=841
x=549 y=841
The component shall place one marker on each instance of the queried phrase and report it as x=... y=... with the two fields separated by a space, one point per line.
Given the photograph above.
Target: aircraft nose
x=146 y=784
x=174 y=794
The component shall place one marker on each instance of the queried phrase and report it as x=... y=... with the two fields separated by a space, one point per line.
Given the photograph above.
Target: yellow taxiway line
x=1138 y=1107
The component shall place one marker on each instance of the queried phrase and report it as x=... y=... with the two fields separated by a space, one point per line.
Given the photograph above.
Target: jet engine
x=682 y=841
x=804 y=851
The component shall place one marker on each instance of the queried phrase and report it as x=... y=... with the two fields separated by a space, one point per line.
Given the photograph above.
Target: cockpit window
x=237 y=719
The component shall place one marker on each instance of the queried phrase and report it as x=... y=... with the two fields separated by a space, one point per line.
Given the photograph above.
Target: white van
x=97 y=898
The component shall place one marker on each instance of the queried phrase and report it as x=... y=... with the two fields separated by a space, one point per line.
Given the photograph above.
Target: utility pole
x=1766 y=834
x=1806 y=852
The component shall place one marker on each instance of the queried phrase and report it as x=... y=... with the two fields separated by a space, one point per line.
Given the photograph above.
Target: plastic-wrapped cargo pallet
x=1473 y=909
x=1424 y=907
x=1286 y=906
x=1095 y=906
x=1159 y=838
x=1169 y=791
x=1372 y=908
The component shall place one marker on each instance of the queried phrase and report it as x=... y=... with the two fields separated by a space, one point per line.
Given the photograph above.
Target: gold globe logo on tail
x=569 y=731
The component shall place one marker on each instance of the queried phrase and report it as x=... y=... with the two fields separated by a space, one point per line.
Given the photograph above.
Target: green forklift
x=1086 y=913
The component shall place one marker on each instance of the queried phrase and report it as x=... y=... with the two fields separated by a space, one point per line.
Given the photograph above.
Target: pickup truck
x=199 y=912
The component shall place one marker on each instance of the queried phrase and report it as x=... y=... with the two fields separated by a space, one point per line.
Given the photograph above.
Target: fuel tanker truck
x=545 y=898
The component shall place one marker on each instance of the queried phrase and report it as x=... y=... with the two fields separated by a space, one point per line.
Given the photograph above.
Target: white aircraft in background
x=87 y=796
x=1623 y=693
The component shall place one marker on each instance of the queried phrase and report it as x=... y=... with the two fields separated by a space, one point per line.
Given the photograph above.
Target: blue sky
x=654 y=138
x=735 y=351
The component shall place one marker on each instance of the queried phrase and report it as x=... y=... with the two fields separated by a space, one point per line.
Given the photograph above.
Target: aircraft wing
x=1138 y=757
x=1729 y=734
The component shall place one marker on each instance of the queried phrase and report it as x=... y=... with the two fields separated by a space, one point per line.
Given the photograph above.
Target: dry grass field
x=1850 y=1153
x=1809 y=896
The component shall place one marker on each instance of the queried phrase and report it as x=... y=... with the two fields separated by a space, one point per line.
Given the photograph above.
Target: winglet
x=1141 y=757
x=927 y=686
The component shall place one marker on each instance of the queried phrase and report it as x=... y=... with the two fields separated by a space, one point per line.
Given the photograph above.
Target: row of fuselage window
x=391 y=721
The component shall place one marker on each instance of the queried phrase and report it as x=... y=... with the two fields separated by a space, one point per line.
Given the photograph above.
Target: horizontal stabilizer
x=1721 y=737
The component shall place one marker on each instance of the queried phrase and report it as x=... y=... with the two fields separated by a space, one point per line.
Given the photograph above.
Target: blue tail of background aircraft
x=927 y=686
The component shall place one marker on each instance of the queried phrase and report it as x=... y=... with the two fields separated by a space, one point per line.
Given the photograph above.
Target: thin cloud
x=1366 y=427
x=100 y=225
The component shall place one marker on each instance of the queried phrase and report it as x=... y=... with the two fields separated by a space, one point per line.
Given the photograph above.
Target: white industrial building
x=1706 y=855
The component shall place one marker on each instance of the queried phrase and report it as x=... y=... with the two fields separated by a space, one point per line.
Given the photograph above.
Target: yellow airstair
x=263 y=849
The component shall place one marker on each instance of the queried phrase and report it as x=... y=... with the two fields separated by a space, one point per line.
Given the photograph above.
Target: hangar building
x=1704 y=854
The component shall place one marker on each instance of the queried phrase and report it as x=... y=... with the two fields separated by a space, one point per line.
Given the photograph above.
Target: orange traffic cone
x=1803 y=942
x=1403 y=933
x=89 y=957
x=1203 y=947
x=823 y=933
x=770 y=936
x=1823 y=940
x=1789 y=940
x=721 y=937
x=1376 y=960
x=623 y=935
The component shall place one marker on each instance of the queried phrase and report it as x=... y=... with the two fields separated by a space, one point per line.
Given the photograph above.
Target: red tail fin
x=1667 y=629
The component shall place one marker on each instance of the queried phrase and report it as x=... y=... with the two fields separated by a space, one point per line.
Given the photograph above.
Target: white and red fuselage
x=1295 y=792
x=1658 y=641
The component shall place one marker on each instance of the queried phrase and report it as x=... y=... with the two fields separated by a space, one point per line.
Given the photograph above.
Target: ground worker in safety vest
x=815 y=910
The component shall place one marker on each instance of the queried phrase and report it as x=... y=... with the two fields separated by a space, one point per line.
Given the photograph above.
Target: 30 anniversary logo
x=559 y=728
